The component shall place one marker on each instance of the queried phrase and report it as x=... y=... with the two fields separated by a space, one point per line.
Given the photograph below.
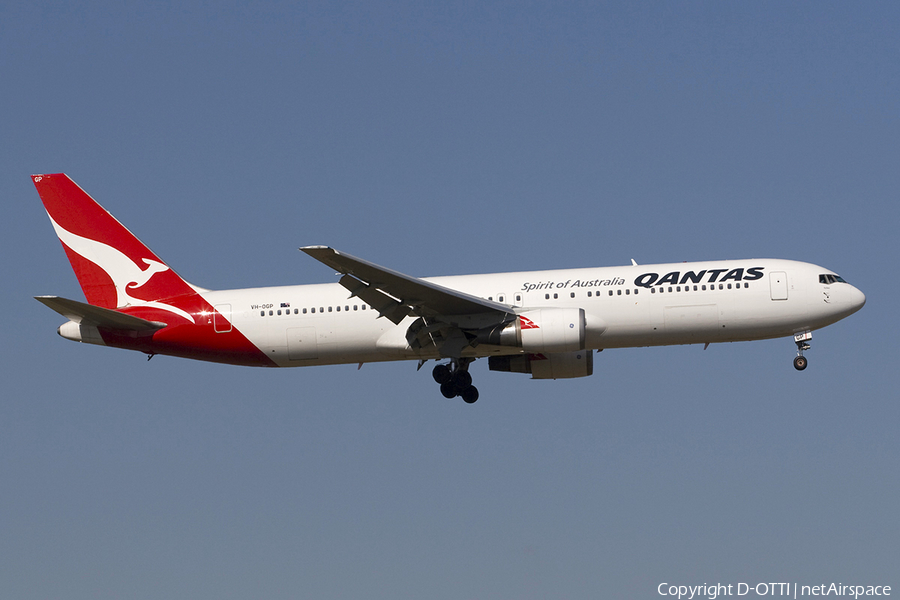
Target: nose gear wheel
x=802 y=341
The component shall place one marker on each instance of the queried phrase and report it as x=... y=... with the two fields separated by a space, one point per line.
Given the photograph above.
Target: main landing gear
x=455 y=380
x=802 y=341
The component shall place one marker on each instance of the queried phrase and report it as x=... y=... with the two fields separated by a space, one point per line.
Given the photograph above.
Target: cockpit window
x=829 y=278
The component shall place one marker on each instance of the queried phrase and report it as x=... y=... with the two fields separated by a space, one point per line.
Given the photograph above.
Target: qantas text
x=712 y=275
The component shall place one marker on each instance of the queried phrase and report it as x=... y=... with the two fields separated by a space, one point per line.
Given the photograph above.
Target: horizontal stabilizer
x=87 y=314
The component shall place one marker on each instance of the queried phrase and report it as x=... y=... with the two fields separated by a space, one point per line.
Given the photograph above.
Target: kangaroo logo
x=527 y=323
x=126 y=275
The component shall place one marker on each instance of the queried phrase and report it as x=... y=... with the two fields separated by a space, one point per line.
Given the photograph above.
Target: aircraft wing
x=88 y=314
x=395 y=295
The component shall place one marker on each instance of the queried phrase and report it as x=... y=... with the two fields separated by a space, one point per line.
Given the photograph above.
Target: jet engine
x=541 y=330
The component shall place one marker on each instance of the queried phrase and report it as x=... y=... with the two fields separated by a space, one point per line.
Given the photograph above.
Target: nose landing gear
x=455 y=380
x=802 y=341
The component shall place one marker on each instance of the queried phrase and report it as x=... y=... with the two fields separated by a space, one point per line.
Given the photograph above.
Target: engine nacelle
x=550 y=330
x=557 y=365
x=541 y=330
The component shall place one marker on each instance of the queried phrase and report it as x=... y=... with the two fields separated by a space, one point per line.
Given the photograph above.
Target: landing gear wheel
x=470 y=394
x=442 y=374
x=461 y=379
x=455 y=380
x=802 y=341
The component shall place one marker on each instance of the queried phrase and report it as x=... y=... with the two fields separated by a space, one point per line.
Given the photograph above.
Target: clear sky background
x=451 y=138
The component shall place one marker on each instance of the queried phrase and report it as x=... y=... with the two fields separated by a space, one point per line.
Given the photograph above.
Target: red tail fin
x=114 y=268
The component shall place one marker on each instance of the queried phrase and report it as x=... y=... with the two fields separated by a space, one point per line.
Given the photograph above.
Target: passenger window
x=618 y=292
x=589 y=294
x=572 y=295
x=610 y=292
x=329 y=309
x=556 y=296
x=355 y=307
x=652 y=290
x=518 y=297
x=304 y=311
x=546 y=296
x=270 y=313
x=636 y=292
x=262 y=313
x=627 y=292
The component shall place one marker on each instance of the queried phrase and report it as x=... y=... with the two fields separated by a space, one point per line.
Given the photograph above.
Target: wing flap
x=88 y=314
x=386 y=306
x=398 y=294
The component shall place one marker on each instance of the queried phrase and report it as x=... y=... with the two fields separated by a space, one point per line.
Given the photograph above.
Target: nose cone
x=856 y=300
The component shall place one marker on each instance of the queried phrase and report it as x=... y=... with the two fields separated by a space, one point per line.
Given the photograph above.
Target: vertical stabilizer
x=114 y=268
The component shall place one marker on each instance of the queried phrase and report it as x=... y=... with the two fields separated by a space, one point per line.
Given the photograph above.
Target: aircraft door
x=302 y=343
x=222 y=318
x=778 y=285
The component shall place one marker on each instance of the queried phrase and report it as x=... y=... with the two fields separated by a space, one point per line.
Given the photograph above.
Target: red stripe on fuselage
x=197 y=340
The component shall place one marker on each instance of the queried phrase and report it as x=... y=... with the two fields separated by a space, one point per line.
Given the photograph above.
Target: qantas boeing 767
x=546 y=323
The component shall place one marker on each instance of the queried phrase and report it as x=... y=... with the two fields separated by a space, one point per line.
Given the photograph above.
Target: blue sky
x=451 y=138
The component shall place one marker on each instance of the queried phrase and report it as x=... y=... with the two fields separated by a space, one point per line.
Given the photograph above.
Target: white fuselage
x=628 y=306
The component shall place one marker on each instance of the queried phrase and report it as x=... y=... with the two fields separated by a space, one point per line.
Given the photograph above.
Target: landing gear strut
x=455 y=380
x=802 y=341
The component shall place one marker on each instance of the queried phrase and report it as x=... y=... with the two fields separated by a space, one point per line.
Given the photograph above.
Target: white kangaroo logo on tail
x=126 y=275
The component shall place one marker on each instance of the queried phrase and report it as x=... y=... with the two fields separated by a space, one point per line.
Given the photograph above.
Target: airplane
x=543 y=323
